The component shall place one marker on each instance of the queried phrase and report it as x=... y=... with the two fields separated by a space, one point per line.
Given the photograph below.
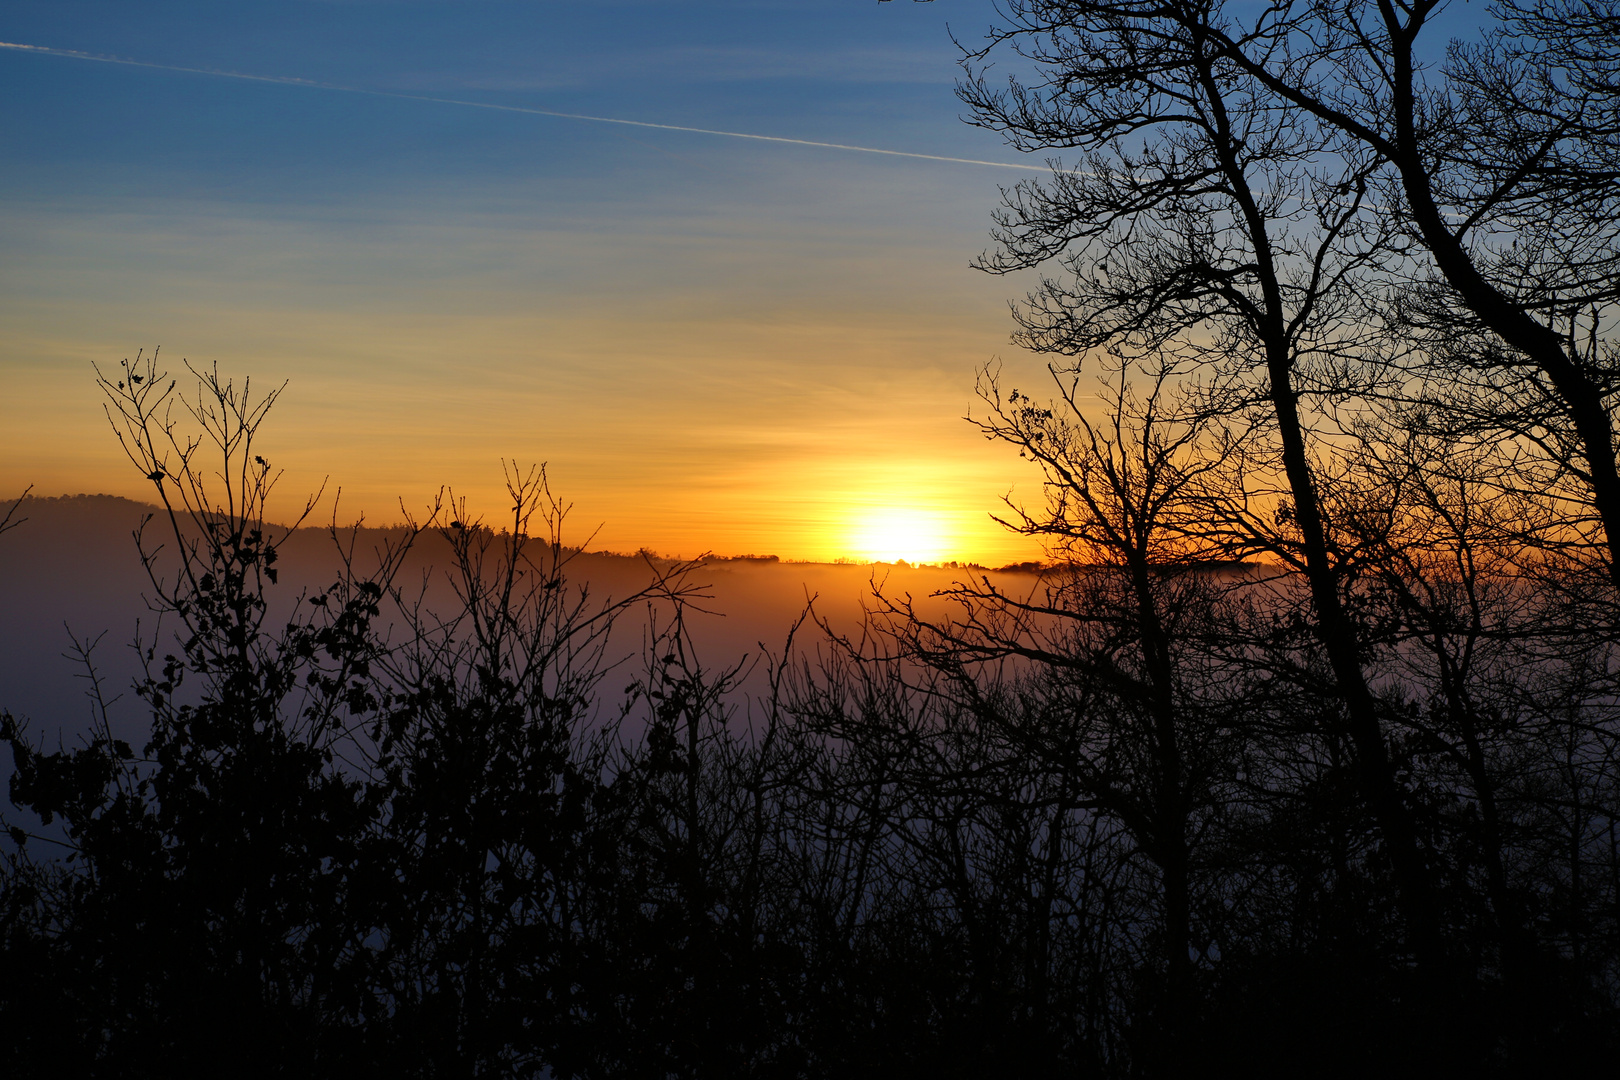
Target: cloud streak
x=309 y=84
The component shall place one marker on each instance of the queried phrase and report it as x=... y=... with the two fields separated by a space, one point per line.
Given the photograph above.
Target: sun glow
x=889 y=534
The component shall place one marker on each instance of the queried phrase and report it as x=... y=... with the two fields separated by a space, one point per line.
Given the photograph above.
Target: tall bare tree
x=1239 y=238
x=1503 y=166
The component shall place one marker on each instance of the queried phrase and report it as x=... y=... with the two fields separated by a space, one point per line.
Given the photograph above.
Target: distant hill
x=72 y=566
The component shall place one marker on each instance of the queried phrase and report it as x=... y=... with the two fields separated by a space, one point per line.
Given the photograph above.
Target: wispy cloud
x=284 y=80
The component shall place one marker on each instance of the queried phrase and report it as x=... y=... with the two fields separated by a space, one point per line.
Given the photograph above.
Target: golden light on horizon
x=892 y=533
x=816 y=423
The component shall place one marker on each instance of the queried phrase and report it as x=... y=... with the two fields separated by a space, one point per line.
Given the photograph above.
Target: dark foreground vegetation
x=1301 y=760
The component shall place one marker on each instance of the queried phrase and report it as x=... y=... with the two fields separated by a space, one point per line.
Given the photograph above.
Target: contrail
x=283 y=80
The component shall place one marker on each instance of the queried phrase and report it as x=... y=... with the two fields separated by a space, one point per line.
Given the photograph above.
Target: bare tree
x=1503 y=171
x=1238 y=240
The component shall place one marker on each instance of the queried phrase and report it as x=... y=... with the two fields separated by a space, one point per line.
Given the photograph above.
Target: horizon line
x=21 y=502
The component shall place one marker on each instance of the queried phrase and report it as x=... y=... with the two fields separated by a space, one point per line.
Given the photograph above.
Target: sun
x=889 y=534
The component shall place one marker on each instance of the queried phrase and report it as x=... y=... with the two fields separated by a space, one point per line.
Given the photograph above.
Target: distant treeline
x=1301 y=758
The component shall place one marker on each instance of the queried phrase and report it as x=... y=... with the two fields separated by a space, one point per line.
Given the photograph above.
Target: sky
x=714 y=343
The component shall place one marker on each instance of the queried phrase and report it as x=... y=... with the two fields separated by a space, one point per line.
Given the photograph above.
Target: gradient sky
x=715 y=343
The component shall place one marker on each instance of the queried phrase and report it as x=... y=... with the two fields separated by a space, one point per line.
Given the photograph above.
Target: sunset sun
x=889 y=534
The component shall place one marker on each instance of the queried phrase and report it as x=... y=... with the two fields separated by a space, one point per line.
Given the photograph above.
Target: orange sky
x=750 y=388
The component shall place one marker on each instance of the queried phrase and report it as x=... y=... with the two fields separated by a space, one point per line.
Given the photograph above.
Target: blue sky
x=838 y=70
